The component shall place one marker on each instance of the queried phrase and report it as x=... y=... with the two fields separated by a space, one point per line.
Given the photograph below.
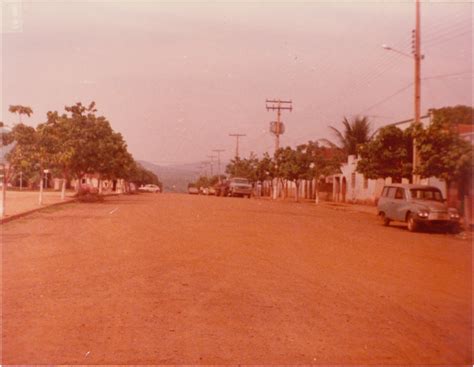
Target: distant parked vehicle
x=203 y=190
x=418 y=206
x=193 y=190
x=240 y=187
x=212 y=191
x=236 y=186
x=88 y=188
x=150 y=188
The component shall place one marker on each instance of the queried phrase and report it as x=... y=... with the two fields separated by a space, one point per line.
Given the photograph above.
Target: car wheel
x=411 y=223
x=385 y=220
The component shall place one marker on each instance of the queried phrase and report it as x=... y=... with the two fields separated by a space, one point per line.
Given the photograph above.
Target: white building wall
x=371 y=190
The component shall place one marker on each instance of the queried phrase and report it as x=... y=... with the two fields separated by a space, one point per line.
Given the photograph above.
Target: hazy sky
x=175 y=78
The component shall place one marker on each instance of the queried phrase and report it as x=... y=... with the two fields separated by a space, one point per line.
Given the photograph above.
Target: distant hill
x=175 y=178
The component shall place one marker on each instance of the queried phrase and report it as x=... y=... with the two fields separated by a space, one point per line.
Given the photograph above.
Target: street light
x=417 y=57
x=386 y=47
x=389 y=48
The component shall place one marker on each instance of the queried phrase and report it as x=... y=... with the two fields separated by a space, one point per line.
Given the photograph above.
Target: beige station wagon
x=418 y=206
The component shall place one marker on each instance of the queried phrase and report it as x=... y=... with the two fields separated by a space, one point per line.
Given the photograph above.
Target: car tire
x=385 y=220
x=411 y=223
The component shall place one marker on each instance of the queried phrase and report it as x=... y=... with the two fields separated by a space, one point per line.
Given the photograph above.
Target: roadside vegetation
x=69 y=145
x=385 y=152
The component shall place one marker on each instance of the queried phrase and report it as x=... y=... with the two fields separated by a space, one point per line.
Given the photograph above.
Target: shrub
x=85 y=195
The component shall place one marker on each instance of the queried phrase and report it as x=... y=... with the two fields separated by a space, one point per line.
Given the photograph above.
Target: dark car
x=418 y=206
x=236 y=186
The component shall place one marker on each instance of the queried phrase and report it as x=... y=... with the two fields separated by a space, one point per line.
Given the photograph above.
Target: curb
x=28 y=212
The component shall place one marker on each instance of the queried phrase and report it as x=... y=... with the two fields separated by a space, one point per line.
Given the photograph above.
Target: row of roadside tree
x=71 y=145
x=386 y=152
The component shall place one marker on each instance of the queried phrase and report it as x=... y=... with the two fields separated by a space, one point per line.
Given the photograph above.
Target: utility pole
x=416 y=50
x=277 y=127
x=237 y=143
x=212 y=162
x=219 y=151
x=203 y=168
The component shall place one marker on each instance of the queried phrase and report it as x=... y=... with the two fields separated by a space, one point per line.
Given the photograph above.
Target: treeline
x=441 y=151
x=306 y=162
x=386 y=152
x=70 y=145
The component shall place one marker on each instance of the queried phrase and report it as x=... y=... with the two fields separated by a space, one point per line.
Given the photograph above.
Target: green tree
x=443 y=153
x=141 y=176
x=32 y=153
x=243 y=167
x=293 y=165
x=84 y=143
x=388 y=154
x=20 y=110
x=453 y=115
x=265 y=168
x=23 y=157
x=355 y=132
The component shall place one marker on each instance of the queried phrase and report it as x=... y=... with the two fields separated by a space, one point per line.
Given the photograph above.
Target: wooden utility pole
x=211 y=162
x=203 y=169
x=277 y=127
x=416 y=34
x=237 y=136
x=219 y=151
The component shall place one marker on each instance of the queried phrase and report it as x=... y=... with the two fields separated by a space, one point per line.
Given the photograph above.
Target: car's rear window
x=426 y=194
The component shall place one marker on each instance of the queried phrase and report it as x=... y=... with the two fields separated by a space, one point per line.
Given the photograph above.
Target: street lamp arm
x=385 y=47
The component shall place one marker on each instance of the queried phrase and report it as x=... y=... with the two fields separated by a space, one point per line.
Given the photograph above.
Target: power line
x=438 y=41
x=439 y=32
x=447 y=75
x=237 y=136
x=218 y=151
x=386 y=99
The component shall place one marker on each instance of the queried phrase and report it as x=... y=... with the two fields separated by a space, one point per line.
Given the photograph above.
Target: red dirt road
x=161 y=279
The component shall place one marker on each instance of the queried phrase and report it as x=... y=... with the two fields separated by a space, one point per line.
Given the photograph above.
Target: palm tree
x=355 y=132
x=20 y=110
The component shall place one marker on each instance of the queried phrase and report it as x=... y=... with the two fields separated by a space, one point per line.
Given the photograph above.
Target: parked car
x=240 y=187
x=418 y=206
x=212 y=191
x=193 y=190
x=149 y=188
x=88 y=188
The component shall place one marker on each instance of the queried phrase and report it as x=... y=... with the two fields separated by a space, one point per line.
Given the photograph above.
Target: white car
x=193 y=190
x=150 y=188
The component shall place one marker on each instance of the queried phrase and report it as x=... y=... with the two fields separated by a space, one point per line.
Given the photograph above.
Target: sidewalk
x=19 y=202
x=369 y=209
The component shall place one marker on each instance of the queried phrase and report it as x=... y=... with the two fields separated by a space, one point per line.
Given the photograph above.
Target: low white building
x=352 y=186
